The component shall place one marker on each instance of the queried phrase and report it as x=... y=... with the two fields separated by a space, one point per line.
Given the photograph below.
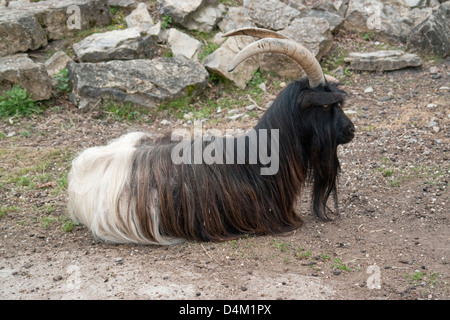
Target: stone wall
x=126 y=64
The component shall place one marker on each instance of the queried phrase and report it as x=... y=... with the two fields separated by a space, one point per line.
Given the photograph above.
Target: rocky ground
x=391 y=242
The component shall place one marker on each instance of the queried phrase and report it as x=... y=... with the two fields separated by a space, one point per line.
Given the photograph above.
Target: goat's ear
x=321 y=98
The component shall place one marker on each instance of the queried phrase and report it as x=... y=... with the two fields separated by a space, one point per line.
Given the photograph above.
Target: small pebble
x=368 y=90
x=235 y=117
x=262 y=86
x=433 y=70
x=337 y=272
x=57 y=278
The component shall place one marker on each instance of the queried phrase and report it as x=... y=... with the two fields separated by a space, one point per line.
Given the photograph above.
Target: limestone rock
x=433 y=34
x=19 y=32
x=388 y=20
x=236 y=18
x=53 y=15
x=199 y=15
x=334 y=20
x=338 y=7
x=31 y=26
x=382 y=60
x=218 y=39
x=156 y=33
x=122 y=3
x=182 y=44
x=115 y=45
x=270 y=14
x=205 y=19
x=140 y=18
x=313 y=33
x=20 y=70
x=57 y=62
x=17 y=4
x=142 y=82
x=218 y=61
x=416 y=3
x=179 y=11
x=418 y=15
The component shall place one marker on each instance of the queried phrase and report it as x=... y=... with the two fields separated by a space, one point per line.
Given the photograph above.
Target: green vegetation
x=166 y=22
x=334 y=60
x=228 y=97
x=125 y=111
x=47 y=208
x=423 y=278
x=386 y=172
x=231 y=3
x=4 y=210
x=302 y=254
x=23 y=181
x=118 y=17
x=167 y=53
x=280 y=245
x=113 y=10
x=396 y=174
x=30 y=168
x=17 y=102
x=62 y=81
x=339 y=265
x=67 y=224
x=47 y=221
x=368 y=36
x=207 y=49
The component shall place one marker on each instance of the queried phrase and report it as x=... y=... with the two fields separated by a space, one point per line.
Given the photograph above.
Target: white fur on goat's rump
x=99 y=188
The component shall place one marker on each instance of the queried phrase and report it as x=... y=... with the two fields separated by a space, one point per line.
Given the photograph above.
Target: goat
x=132 y=191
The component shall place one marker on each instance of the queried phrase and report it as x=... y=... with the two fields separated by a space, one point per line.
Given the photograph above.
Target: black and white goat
x=132 y=191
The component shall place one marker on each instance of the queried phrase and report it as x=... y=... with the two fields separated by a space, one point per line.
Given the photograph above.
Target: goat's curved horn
x=255 y=32
x=265 y=33
x=288 y=47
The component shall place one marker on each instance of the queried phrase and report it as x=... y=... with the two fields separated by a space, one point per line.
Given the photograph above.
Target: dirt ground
x=391 y=242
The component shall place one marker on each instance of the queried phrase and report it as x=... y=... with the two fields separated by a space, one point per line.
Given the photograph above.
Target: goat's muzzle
x=348 y=134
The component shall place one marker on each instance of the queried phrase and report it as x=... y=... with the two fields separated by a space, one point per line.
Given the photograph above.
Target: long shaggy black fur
x=218 y=202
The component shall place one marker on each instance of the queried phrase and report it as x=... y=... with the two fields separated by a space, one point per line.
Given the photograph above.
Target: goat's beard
x=325 y=178
x=321 y=194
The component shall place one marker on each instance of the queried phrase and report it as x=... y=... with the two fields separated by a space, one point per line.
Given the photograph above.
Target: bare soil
x=393 y=197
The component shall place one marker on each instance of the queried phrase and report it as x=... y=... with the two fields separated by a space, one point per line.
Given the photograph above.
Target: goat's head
x=313 y=110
